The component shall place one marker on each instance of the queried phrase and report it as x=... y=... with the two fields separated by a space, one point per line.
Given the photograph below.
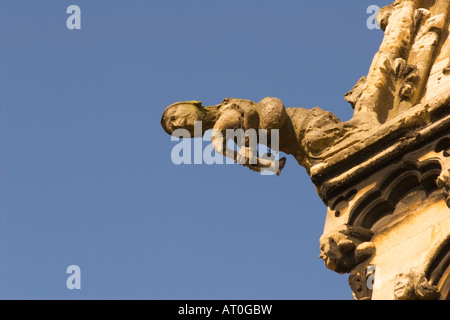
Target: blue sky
x=86 y=173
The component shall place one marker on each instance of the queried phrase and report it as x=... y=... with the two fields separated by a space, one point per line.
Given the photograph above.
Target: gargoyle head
x=345 y=247
x=182 y=115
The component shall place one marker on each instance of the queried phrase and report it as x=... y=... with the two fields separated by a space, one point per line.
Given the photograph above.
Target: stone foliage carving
x=400 y=70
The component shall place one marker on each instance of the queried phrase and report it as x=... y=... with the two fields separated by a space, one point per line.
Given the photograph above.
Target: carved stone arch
x=438 y=271
x=383 y=201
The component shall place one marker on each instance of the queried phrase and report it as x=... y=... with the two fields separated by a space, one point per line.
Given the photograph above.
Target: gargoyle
x=346 y=247
x=413 y=285
x=303 y=133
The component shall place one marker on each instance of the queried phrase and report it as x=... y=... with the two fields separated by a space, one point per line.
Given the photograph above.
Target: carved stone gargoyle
x=303 y=133
x=413 y=285
x=346 y=247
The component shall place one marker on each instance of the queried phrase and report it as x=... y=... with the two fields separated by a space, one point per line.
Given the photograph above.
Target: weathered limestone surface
x=385 y=174
x=394 y=179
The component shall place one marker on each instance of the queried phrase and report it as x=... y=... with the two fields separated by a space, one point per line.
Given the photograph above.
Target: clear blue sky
x=85 y=169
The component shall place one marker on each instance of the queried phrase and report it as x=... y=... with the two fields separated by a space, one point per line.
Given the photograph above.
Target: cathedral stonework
x=385 y=174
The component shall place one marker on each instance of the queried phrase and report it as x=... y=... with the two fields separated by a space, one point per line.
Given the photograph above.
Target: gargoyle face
x=345 y=247
x=404 y=287
x=330 y=253
x=182 y=115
